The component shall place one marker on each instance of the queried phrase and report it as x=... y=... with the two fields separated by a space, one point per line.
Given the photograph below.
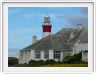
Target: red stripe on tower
x=46 y=28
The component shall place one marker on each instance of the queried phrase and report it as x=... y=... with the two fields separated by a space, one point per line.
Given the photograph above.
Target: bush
x=51 y=61
x=41 y=62
x=67 y=59
x=12 y=61
x=77 y=56
x=58 y=62
x=36 y=63
x=31 y=61
x=72 y=59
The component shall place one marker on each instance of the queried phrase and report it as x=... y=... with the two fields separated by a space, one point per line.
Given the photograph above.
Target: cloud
x=73 y=20
x=78 y=19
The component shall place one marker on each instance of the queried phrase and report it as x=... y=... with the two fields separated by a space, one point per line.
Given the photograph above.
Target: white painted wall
x=50 y=54
x=20 y=58
x=32 y=55
x=62 y=54
x=42 y=55
x=46 y=34
x=28 y=55
x=24 y=61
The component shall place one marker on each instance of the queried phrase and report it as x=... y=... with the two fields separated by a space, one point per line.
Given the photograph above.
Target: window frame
x=46 y=52
x=37 y=52
x=55 y=54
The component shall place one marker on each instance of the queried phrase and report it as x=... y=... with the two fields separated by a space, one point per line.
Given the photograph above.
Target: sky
x=24 y=22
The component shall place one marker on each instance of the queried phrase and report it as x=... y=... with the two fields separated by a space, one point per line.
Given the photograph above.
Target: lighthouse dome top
x=46 y=15
x=46 y=18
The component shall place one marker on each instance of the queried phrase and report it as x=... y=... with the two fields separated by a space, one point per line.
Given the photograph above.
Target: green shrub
x=72 y=59
x=51 y=61
x=77 y=56
x=32 y=61
x=58 y=62
x=67 y=59
x=41 y=62
x=12 y=61
x=36 y=63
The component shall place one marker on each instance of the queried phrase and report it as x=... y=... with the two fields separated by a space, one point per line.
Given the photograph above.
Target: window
x=46 y=54
x=57 y=54
x=38 y=55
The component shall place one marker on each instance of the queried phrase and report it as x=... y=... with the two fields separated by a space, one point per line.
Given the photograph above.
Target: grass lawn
x=52 y=65
x=66 y=65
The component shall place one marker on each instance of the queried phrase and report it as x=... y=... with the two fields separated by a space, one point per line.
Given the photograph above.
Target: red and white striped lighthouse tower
x=46 y=26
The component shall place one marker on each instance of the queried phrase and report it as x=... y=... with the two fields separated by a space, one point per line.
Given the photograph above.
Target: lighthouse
x=46 y=26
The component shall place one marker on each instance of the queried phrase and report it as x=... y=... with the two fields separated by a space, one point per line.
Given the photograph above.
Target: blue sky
x=24 y=22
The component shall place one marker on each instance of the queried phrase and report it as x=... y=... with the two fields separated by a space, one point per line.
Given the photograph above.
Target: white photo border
x=47 y=0
x=94 y=37
x=90 y=6
x=48 y=73
x=0 y=36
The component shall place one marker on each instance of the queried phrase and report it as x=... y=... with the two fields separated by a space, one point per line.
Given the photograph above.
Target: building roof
x=84 y=36
x=60 y=41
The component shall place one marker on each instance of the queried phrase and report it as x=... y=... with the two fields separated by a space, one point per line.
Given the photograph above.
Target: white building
x=54 y=46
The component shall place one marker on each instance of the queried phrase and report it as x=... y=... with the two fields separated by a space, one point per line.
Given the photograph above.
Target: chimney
x=34 y=39
x=79 y=27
